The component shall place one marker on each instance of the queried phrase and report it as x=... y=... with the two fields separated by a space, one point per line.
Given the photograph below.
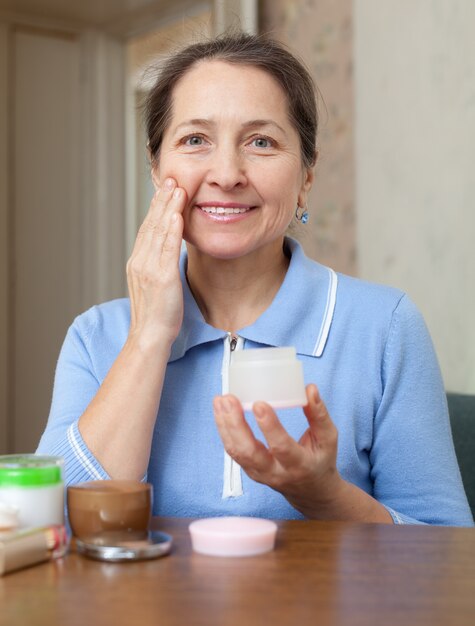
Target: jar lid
x=233 y=536
x=30 y=470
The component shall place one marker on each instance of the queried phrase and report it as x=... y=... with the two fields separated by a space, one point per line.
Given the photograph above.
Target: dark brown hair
x=240 y=49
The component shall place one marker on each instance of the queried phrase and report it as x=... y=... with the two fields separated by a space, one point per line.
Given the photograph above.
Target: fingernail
x=177 y=193
x=169 y=183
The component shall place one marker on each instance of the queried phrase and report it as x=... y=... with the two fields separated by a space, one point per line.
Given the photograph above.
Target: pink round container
x=233 y=536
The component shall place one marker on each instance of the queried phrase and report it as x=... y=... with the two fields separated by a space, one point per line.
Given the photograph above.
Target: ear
x=307 y=182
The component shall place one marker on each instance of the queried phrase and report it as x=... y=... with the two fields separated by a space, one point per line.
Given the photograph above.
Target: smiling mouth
x=221 y=210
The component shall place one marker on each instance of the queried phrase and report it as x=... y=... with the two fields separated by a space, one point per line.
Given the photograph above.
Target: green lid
x=30 y=470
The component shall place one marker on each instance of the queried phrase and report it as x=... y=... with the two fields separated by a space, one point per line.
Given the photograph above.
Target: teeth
x=221 y=210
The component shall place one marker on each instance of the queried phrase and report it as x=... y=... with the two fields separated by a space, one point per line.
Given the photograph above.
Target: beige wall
x=415 y=130
x=61 y=219
x=45 y=242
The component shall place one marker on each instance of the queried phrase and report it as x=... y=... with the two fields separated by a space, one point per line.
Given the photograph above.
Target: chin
x=219 y=247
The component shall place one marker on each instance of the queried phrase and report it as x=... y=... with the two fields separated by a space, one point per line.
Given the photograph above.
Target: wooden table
x=320 y=573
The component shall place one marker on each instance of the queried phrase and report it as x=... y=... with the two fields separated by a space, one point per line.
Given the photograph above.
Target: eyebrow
x=246 y=125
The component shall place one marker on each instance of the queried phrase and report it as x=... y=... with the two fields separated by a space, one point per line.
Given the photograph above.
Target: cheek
x=281 y=180
x=188 y=178
x=282 y=195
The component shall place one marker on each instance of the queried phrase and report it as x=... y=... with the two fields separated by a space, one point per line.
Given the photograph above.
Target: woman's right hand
x=118 y=424
x=155 y=289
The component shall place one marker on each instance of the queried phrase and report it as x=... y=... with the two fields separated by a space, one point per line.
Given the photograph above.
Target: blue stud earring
x=301 y=214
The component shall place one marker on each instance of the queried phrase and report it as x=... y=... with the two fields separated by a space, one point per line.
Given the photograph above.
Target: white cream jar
x=33 y=485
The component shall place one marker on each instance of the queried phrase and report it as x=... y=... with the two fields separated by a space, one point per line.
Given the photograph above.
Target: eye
x=262 y=142
x=193 y=140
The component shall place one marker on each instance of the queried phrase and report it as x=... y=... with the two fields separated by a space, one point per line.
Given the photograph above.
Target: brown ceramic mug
x=102 y=506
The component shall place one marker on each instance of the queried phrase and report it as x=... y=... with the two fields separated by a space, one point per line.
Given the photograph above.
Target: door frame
x=4 y=237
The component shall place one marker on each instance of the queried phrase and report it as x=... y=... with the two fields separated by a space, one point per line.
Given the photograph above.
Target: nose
x=227 y=168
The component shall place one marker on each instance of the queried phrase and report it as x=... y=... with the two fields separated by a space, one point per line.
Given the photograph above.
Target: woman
x=232 y=137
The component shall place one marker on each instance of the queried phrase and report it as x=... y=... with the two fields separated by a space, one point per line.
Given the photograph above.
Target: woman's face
x=231 y=146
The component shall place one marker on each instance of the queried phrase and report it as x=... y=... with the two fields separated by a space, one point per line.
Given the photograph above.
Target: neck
x=233 y=293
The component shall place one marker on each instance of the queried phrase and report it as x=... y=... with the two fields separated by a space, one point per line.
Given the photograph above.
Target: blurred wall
x=61 y=205
x=415 y=133
x=394 y=197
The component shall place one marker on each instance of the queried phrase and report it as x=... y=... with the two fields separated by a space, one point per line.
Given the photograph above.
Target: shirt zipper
x=232 y=482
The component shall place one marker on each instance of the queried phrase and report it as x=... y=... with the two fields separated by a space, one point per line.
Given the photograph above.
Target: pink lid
x=233 y=536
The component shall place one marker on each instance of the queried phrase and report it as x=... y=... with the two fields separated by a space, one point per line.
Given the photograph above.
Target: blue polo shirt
x=365 y=346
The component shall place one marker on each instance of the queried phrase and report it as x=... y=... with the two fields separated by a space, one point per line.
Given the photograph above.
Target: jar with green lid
x=33 y=485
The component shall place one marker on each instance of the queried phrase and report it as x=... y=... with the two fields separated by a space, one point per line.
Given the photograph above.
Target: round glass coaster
x=121 y=546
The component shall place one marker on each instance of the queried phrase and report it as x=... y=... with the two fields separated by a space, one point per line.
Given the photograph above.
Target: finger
x=154 y=229
x=281 y=445
x=165 y=227
x=238 y=439
x=172 y=244
x=149 y=225
x=155 y=261
x=162 y=204
x=319 y=420
x=231 y=421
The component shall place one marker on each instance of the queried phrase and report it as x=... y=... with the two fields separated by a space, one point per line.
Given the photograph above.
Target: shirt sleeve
x=75 y=386
x=414 y=467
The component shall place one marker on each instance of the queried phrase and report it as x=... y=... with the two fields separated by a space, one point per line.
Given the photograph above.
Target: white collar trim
x=328 y=315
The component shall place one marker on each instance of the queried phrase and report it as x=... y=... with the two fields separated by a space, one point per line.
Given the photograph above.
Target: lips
x=224 y=208
x=221 y=210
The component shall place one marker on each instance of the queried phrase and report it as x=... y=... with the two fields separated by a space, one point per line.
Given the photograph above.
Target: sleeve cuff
x=80 y=465
x=401 y=519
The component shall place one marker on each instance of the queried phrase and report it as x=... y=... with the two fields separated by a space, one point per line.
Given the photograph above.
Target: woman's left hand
x=305 y=471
